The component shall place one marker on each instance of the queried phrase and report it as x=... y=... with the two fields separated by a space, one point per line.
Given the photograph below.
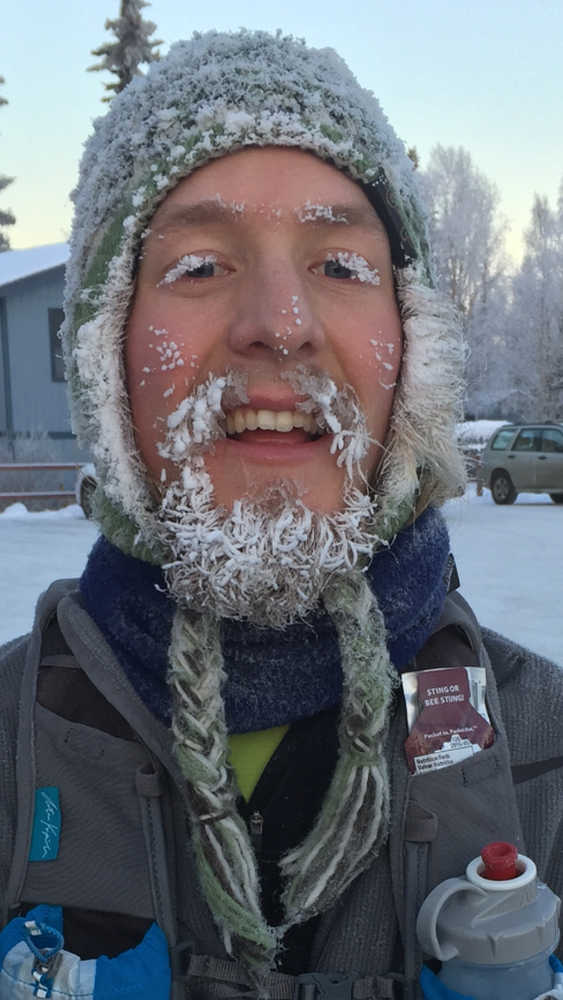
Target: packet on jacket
x=446 y=715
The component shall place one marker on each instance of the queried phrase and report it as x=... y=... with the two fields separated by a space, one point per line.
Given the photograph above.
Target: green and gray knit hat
x=211 y=96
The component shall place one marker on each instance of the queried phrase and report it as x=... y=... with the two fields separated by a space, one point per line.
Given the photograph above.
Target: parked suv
x=524 y=458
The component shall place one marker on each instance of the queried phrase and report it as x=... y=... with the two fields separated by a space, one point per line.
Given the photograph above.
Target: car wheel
x=87 y=490
x=557 y=497
x=502 y=488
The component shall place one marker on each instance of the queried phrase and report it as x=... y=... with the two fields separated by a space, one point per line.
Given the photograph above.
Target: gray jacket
x=439 y=820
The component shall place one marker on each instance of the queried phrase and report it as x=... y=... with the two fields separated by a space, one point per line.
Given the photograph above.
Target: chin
x=266 y=561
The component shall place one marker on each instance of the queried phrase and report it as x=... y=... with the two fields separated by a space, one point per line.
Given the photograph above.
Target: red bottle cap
x=499 y=859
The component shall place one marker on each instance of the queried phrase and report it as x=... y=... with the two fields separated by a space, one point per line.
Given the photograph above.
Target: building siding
x=39 y=405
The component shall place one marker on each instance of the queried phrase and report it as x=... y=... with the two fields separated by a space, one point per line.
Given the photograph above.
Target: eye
x=193 y=267
x=334 y=269
x=346 y=265
x=205 y=270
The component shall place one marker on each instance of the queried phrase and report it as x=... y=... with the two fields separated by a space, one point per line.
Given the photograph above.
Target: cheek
x=161 y=366
x=382 y=357
x=377 y=359
x=162 y=358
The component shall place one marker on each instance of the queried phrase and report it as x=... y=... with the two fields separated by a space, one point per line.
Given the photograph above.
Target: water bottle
x=494 y=929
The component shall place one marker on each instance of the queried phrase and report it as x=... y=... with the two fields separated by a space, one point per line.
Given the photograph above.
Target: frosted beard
x=267 y=560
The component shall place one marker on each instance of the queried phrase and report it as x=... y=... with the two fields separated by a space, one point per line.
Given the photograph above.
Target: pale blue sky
x=485 y=75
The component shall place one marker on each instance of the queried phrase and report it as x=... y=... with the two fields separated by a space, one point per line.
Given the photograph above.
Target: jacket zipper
x=256 y=830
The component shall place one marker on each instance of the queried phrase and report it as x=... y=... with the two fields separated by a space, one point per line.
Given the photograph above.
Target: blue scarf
x=273 y=676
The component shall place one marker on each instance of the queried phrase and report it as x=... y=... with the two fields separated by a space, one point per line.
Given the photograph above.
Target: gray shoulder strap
x=441 y=819
x=25 y=765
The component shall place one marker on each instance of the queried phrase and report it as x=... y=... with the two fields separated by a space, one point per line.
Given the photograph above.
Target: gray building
x=34 y=415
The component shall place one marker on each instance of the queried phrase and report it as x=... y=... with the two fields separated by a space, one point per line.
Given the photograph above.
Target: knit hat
x=211 y=96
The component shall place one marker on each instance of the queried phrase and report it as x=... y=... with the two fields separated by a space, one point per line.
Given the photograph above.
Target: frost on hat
x=208 y=97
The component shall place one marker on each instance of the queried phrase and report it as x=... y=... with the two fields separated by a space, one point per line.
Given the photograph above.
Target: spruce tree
x=132 y=47
x=6 y=218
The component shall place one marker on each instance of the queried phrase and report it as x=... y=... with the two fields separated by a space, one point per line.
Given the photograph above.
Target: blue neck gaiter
x=273 y=676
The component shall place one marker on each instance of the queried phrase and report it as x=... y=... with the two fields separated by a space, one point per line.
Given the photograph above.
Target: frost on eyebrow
x=189 y=262
x=311 y=212
x=236 y=207
x=361 y=271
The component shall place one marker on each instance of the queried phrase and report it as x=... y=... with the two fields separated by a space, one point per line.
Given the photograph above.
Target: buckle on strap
x=323 y=986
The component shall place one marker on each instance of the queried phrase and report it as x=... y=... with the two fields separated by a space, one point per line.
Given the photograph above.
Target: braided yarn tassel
x=224 y=855
x=354 y=818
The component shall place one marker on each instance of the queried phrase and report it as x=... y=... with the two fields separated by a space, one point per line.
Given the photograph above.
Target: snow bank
x=17 y=511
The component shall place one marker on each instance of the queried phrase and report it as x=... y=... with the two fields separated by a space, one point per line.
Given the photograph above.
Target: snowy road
x=509 y=560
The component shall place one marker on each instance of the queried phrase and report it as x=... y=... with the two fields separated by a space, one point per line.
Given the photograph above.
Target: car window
x=502 y=439
x=528 y=440
x=552 y=440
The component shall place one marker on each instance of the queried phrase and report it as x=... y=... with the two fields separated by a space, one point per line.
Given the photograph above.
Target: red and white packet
x=446 y=715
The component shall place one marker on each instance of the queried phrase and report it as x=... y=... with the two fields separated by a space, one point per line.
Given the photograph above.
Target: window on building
x=56 y=317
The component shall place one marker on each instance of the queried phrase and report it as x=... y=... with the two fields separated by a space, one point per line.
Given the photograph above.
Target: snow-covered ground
x=509 y=561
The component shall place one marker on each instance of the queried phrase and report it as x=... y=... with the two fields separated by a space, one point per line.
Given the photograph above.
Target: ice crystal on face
x=378 y=347
x=170 y=355
x=188 y=263
x=266 y=561
x=358 y=265
x=336 y=411
x=269 y=558
x=198 y=421
x=312 y=213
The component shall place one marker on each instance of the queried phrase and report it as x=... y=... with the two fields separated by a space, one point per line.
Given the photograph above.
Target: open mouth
x=289 y=426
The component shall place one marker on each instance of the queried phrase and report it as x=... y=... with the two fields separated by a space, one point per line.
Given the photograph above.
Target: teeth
x=267 y=420
x=243 y=419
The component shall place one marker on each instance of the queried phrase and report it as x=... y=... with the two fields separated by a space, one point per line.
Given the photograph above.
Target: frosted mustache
x=199 y=420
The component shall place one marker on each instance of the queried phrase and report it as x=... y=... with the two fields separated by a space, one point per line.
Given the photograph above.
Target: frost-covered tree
x=536 y=327
x=412 y=153
x=132 y=47
x=467 y=236
x=7 y=218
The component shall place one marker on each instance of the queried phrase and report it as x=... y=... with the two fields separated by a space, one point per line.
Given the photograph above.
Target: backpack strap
x=50 y=692
x=441 y=819
x=25 y=773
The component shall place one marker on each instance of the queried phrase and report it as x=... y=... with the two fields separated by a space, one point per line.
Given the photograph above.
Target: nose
x=275 y=313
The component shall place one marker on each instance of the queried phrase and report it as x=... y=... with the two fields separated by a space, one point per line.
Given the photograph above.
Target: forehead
x=283 y=184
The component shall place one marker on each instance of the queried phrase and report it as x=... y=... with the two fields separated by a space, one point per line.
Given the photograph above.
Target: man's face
x=261 y=262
